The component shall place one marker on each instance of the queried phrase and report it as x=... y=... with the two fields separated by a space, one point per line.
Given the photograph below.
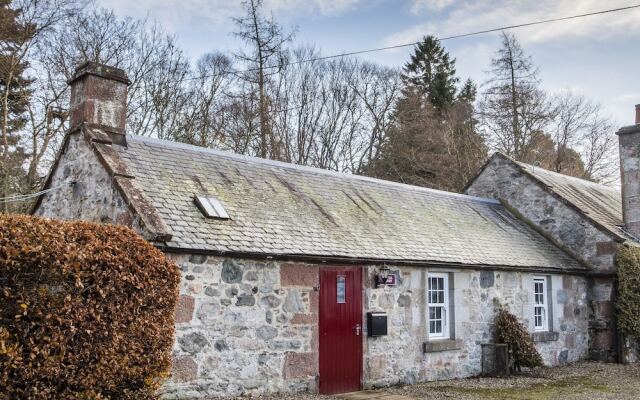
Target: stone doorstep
x=371 y=394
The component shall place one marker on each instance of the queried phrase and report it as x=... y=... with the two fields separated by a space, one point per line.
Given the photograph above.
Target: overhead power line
x=25 y=197
x=398 y=46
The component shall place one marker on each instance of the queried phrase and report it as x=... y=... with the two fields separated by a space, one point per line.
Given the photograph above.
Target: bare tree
x=378 y=89
x=265 y=58
x=580 y=127
x=155 y=65
x=513 y=107
x=203 y=121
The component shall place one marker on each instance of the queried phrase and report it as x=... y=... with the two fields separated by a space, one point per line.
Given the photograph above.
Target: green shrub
x=86 y=311
x=628 y=301
x=513 y=333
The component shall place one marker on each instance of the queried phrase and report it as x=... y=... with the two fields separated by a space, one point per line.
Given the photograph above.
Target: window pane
x=432 y=327
x=438 y=326
x=341 y=290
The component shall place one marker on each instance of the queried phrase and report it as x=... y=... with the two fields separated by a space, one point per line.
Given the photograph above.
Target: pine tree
x=433 y=72
x=468 y=92
x=14 y=100
x=433 y=140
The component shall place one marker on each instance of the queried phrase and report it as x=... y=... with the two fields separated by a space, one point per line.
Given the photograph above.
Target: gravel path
x=586 y=380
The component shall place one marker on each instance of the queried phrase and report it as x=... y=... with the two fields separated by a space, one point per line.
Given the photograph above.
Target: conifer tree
x=433 y=71
x=15 y=93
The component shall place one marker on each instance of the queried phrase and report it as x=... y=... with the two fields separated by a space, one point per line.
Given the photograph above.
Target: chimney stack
x=99 y=100
x=629 y=142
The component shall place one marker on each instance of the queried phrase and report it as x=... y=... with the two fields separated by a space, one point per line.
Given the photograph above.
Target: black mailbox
x=376 y=323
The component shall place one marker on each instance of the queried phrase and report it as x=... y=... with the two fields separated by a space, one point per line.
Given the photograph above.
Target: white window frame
x=540 y=305
x=443 y=306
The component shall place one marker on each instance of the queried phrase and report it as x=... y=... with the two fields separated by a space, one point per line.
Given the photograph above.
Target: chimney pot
x=637 y=114
x=99 y=100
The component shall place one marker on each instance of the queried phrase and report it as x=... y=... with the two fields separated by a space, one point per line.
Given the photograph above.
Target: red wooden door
x=340 y=329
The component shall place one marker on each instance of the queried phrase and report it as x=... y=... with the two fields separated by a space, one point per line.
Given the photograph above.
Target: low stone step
x=372 y=394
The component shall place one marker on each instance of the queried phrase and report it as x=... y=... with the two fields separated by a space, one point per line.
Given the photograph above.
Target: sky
x=597 y=56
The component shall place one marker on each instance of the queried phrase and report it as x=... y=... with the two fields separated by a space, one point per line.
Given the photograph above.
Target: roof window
x=211 y=207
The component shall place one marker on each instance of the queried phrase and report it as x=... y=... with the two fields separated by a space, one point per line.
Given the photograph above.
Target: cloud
x=485 y=14
x=419 y=6
x=173 y=14
x=324 y=7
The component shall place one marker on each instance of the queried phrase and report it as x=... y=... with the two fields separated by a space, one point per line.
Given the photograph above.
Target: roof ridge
x=533 y=168
x=527 y=169
x=320 y=171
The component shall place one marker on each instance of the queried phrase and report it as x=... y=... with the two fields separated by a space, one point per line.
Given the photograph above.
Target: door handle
x=357 y=328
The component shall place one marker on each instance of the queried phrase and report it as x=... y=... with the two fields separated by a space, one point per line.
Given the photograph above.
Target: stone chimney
x=629 y=141
x=99 y=100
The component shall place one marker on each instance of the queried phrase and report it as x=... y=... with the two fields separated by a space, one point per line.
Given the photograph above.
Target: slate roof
x=280 y=209
x=600 y=203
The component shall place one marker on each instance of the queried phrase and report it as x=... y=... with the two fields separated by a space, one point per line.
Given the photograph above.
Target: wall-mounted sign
x=386 y=279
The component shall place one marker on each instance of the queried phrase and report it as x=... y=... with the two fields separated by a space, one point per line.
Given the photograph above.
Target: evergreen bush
x=628 y=301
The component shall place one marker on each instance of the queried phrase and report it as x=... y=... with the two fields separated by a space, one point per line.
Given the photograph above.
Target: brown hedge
x=86 y=311
x=512 y=332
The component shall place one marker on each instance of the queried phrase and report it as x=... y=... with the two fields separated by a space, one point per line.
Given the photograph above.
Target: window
x=341 y=291
x=438 y=297
x=211 y=207
x=540 y=312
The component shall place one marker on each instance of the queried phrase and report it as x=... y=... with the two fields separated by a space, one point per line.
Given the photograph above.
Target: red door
x=340 y=329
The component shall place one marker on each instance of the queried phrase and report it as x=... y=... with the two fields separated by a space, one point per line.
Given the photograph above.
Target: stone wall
x=399 y=357
x=93 y=197
x=250 y=327
x=502 y=180
x=244 y=326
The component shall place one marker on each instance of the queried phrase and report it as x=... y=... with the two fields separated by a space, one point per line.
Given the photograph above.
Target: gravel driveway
x=586 y=380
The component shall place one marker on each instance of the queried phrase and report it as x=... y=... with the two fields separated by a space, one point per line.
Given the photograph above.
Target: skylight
x=211 y=207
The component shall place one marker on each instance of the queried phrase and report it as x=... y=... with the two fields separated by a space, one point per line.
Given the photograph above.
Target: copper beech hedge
x=513 y=333
x=86 y=311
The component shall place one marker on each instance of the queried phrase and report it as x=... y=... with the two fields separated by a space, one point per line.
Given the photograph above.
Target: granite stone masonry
x=85 y=189
x=537 y=195
x=229 y=347
x=244 y=326
x=399 y=357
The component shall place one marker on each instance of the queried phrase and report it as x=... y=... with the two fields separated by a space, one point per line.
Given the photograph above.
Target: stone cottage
x=301 y=279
